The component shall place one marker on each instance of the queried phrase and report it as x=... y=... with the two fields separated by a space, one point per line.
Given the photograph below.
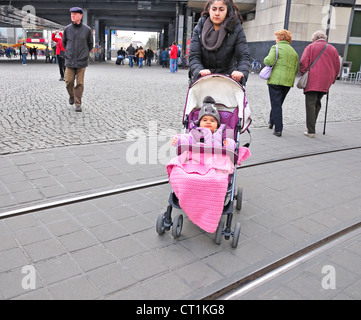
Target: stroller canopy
x=228 y=94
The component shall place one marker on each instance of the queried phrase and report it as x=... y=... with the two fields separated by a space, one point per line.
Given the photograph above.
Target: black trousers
x=61 y=64
x=313 y=107
x=277 y=96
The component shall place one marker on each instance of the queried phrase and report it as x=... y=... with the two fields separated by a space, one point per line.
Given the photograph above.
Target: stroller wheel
x=239 y=199
x=160 y=224
x=219 y=231
x=236 y=233
x=177 y=226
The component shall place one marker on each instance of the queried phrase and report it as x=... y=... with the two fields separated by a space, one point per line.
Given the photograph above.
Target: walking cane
x=324 y=125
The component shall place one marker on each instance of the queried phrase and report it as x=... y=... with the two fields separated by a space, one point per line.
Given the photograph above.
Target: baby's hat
x=209 y=109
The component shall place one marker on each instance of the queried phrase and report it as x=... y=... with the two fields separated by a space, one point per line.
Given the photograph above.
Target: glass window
x=356 y=24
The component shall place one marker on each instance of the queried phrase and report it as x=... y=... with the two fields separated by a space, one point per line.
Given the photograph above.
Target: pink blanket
x=200 y=182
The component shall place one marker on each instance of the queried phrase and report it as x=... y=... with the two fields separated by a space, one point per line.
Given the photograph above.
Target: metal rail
x=140 y=186
x=239 y=288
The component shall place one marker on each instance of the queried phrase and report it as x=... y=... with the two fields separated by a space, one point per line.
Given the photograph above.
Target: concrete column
x=189 y=31
x=108 y=43
x=180 y=29
x=161 y=38
x=96 y=31
x=170 y=35
x=85 y=17
x=102 y=42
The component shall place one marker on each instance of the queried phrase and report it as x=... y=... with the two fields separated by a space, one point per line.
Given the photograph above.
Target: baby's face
x=209 y=122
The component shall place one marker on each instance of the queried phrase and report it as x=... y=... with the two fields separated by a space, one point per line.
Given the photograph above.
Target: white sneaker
x=310 y=135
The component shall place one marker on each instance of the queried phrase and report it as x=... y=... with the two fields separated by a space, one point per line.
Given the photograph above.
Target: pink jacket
x=325 y=71
x=204 y=135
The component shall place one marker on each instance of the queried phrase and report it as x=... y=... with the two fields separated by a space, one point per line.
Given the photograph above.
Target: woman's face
x=217 y=13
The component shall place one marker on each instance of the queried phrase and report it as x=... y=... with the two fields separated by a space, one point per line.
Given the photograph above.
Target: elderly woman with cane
x=321 y=76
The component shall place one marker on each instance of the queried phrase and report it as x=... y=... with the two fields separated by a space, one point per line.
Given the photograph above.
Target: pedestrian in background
x=219 y=44
x=78 y=42
x=149 y=55
x=121 y=52
x=24 y=53
x=173 y=57
x=35 y=52
x=131 y=52
x=282 y=77
x=165 y=57
x=140 y=54
x=52 y=54
x=47 y=55
x=60 y=52
x=320 y=78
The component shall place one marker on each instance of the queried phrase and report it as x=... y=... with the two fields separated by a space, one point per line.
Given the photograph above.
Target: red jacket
x=173 y=52
x=325 y=71
x=59 y=43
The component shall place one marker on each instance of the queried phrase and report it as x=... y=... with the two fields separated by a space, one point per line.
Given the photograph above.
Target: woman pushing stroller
x=203 y=174
x=219 y=43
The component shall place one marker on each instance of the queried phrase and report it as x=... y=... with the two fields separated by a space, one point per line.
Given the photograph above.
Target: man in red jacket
x=321 y=76
x=173 y=57
x=60 y=52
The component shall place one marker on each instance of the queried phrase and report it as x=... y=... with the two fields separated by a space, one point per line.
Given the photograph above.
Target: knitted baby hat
x=209 y=109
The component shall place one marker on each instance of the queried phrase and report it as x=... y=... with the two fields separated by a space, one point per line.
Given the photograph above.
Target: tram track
x=141 y=186
x=236 y=290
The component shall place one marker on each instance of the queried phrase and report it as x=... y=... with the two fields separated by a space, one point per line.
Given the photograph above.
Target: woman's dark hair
x=232 y=12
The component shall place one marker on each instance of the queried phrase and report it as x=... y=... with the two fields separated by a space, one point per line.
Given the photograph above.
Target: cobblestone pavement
x=35 y=113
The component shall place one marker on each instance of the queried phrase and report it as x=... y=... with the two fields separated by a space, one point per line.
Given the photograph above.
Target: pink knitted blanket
x=200 y=183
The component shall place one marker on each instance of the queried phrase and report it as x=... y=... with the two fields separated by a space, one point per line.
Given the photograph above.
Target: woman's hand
x=204 y=72
x=237 y=75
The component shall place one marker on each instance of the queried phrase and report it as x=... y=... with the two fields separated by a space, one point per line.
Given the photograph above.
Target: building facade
x=341 y=19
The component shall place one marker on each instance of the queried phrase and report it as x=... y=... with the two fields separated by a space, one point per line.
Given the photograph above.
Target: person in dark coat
x=218 y=43
x=78 y=42
x=321 y=76
x=131 y=53
x=121 y=52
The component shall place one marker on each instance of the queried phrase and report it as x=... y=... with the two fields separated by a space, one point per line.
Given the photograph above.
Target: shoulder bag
x=302 y=81
x=265 y=73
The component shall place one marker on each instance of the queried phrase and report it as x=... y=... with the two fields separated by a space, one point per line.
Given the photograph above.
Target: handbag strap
x=318 y=56
x=276 y=55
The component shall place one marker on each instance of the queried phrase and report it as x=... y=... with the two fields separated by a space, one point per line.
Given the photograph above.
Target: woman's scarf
x=211 y=38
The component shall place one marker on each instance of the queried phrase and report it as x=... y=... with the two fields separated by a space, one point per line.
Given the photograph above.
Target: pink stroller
x=212 y=186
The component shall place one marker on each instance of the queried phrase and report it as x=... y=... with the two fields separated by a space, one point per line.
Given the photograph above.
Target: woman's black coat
x=232 y=55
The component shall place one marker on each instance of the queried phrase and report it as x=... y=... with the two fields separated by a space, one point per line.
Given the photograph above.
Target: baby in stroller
x=208 y=129
x=200 y=179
